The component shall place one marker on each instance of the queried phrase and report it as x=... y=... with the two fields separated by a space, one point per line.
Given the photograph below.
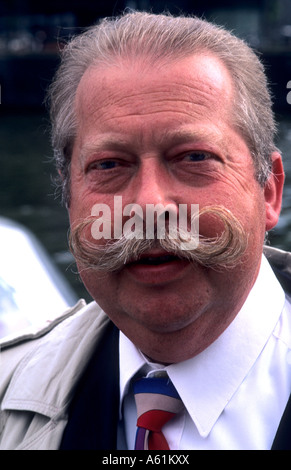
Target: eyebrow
x=106 y=142
x=112 y=141
x=181 y=135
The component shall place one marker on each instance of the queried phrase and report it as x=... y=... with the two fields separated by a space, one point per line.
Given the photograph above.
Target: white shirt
x=236 y=390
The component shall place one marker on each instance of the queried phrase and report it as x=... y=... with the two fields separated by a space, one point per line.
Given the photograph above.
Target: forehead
x=198 y=87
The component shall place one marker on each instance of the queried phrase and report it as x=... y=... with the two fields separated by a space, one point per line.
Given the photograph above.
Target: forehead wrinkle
x=135 y=102
x=191 y=107
x=184 y=134
x=153 y=101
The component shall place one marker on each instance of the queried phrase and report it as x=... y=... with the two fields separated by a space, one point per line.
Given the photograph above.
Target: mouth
x=157 y=268
x=156 y=260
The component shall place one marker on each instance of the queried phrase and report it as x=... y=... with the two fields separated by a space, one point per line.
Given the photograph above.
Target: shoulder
x=31 y=334
x=280 y=262
x=67 y=330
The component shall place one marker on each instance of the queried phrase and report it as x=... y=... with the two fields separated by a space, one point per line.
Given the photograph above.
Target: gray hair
x=162 y=38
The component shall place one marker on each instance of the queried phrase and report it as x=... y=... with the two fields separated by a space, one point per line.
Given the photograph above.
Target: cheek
x=248 y=207
x=82 y=198
x=106 y=290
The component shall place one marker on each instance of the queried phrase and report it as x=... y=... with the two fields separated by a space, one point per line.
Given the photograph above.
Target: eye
x=196 y=156
x=103 y=165
x=107 y=165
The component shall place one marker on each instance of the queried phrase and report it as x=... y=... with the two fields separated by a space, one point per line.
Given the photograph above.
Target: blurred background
x=31 y=33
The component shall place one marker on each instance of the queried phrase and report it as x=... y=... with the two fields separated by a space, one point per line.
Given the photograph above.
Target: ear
x=273 y=191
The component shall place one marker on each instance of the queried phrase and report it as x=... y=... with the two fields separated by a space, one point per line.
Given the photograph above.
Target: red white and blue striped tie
x=157 y=401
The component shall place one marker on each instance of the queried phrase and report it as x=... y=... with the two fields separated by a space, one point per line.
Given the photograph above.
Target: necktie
x=157 y=401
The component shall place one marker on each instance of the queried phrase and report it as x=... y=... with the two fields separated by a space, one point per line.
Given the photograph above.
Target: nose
x=153 y=184
x=154 y=192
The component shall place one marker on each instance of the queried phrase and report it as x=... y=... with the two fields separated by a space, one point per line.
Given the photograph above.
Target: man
x=170 y=111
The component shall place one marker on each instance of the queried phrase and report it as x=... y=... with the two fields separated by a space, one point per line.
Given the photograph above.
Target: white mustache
x=221 y=252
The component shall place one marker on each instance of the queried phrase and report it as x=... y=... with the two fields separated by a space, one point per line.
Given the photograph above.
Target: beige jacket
x=37 y=373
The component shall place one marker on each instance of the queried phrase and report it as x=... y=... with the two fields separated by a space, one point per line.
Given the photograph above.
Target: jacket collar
x=281 y=264
x=44 y=379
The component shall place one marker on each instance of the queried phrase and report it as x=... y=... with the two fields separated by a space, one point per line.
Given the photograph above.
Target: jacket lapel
x=93 y=413
x=282 y=439
x=281 y=264
x=44 y=383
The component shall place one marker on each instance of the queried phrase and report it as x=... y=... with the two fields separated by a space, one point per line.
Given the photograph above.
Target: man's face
x=166 y=136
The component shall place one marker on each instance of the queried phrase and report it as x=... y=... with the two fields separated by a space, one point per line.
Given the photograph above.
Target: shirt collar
x=133 y=363
x=207 y=382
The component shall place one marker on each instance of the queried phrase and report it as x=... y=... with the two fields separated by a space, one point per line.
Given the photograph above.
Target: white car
x=32 y=291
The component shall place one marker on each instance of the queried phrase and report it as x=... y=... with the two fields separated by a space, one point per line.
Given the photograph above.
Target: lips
x=156 y=260
x=156 y=268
